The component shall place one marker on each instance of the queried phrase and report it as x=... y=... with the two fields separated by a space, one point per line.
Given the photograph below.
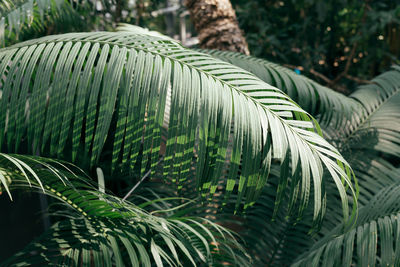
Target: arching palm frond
x=316 y=99
x=370 y=138
x=92 y=96
x=21 y=166
x=376 y=127
x=98 y=229
x=329 y=106
x=373 y=167
x=370 y=143
x=374 y=240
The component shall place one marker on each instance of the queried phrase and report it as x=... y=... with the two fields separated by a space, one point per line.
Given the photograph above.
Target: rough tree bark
x=216 y=24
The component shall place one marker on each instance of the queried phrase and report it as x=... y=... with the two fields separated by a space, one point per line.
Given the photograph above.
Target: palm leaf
x=283 y=238
x=100 y=229
x=108 y=90
x=370 y=138
x=20 y=165
x=374 y=240
x=369 y=142
x=329 y=106
x=316 y=99
x=375 y=126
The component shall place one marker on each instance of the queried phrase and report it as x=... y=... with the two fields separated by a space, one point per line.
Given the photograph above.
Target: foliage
x=132 y=75
x=27 y=19
x=324 y=103
x=366 y=132
x=99 y=228
x=177 y=124
x=323 y=37
x=124 y=86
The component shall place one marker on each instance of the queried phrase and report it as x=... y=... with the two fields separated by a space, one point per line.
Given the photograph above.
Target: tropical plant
x=22 y=20
x=105 y=104
x=365 y=127
x=174 y=123
x=101 y=229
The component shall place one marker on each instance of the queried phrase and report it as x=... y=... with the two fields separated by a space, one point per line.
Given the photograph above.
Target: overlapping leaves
x=98 y=229
x=103 y=81
x=374 y=240
x=329 y=106
x=378 y=120
x=76 y=95
x=366 y=130
x=369 y=140
x=19 y=16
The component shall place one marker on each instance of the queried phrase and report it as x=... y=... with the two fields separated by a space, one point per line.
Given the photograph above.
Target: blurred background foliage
x=336 y=42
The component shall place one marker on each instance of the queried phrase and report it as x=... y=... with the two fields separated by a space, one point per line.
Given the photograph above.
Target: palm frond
x=20 y=165
x=98 y=229
x=101 y=96
x=374 y=240
x=287 y=239
x=324 y=103
x=376 y=126
x=370 y=139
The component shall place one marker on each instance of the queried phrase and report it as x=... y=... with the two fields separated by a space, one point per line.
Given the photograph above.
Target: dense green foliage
x=100 y=229
x=26 y=19
x=181 y=145
x=365 y=127
x=324 y=36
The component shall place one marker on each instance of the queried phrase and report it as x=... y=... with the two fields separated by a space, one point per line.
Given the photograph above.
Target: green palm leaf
x=370 y=138
x=325 y=103
x=378 y=120
x=99 y=229
x=374 y=240
x=21 y=15
x=369 y=142
x=329 y=106
x=82 y=94
x=21 y=166
x=359 y=141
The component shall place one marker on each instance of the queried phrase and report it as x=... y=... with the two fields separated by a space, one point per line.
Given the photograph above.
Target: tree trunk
x=216 y=24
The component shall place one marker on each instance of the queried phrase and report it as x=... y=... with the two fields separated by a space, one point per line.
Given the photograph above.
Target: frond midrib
x=364 y=120
x=197 y=69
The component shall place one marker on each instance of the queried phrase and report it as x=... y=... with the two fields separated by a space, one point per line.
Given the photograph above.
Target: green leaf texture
x=98 y=229
x=102 y=97
x=329 y=106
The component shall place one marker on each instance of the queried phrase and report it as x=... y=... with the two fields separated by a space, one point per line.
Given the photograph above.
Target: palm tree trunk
x=216 y=24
